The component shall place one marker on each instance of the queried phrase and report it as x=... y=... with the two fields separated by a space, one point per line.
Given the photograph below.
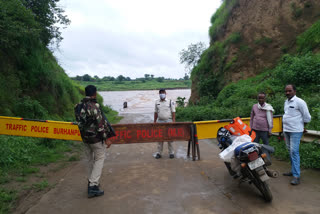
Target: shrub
x=29 y=108
x=180 y=101
x=299 y=70
x=263 y=40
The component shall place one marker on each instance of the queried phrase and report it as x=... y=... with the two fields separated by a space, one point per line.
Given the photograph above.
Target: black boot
x=94 y=191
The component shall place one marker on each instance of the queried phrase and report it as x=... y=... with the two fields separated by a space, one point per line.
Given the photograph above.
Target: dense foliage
x=50 y=17
x=32 y=84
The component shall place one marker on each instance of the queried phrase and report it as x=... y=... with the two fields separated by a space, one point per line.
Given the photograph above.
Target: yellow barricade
x=208 y=129
x=38 y=128
x=70 y=131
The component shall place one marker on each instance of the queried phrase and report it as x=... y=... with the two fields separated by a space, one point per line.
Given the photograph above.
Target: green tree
x=50 y=17
x=18 y=29
x=87 y=77
x=160 y=79
x=121 y=78
x=191 y=56
x=108 y=78
x=78 y=78
x=146 y=76
x=96 y=78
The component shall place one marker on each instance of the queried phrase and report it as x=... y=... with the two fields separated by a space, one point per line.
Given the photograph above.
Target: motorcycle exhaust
x=272 y=173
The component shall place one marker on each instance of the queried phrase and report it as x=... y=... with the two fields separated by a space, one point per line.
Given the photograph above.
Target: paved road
x=134 y=182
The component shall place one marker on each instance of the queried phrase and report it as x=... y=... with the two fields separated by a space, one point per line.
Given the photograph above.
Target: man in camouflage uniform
x=93 y=128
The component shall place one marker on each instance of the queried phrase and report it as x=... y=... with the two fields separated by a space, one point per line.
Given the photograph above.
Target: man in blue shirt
x=296 y=116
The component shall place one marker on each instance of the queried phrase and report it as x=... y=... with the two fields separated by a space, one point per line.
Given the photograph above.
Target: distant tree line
x=121 y=78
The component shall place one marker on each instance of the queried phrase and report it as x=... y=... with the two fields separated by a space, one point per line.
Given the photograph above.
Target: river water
x=139 y=102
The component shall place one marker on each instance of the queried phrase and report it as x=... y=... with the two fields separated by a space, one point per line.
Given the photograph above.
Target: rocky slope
x=260 y=33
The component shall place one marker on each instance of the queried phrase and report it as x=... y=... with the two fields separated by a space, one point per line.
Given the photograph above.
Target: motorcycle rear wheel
x=263 y=187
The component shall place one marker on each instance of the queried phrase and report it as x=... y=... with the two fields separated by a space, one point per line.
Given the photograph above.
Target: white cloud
x=132 y=38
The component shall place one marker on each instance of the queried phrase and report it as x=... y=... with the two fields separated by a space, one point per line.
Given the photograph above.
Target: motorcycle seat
x=242 y=147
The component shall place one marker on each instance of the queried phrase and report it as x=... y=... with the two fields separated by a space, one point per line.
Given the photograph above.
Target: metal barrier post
x=197 y=147
x=188 y=153
x=193 y=144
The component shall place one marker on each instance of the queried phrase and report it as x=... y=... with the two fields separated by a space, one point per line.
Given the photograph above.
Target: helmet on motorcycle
x=223 y=137
x=222 y=132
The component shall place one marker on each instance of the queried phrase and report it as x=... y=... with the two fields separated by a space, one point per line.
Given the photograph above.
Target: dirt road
x=135 y=182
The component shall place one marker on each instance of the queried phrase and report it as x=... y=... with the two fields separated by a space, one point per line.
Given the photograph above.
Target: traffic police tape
x=126 y=133
x=39 y=128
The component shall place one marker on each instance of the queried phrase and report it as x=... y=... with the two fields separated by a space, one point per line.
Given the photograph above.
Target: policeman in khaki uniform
x=164 y=112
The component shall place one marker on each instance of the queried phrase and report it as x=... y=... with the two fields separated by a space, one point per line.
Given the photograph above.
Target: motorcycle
x=249 y=162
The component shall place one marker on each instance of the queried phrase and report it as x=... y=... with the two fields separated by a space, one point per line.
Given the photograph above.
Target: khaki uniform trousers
x=160 y=144
x=95 y=154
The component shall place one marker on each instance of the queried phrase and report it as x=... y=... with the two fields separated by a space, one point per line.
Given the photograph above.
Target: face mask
x=162 y=96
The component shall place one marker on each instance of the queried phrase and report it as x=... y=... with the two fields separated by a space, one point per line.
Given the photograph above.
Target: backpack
x=88 y=133
x=77 y=112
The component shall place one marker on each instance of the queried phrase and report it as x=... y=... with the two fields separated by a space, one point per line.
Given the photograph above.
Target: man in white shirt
x=164 y=112
x=296 y=116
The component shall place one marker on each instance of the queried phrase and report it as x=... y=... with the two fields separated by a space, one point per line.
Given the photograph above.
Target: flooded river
x=139 y=102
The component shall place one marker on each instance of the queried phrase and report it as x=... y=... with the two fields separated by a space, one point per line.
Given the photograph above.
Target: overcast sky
x=132 y=37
